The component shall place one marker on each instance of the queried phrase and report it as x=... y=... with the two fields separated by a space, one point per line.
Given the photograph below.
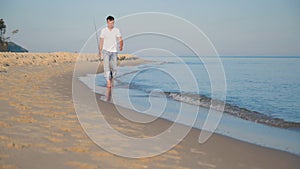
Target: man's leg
x=106 y=68
x=113 y=63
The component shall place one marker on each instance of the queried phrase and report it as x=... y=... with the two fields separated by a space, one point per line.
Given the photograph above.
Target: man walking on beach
x=109 y=37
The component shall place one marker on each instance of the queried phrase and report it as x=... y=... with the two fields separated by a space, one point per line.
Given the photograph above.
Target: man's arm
x=101 y=47
x=121 y=43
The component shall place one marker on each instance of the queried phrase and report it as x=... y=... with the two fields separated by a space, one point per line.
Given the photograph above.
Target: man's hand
x=121 y=44
x=100 y=48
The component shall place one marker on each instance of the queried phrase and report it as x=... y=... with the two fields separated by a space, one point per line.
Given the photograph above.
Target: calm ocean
x=265 y=91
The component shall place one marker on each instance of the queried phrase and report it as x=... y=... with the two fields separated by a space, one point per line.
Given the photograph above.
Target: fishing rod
x=97 y=39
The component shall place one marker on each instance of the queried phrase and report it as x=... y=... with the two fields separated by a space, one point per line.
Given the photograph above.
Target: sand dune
x=8 y=59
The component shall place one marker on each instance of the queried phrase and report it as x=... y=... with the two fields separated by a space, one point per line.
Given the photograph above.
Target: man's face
x=110 y=24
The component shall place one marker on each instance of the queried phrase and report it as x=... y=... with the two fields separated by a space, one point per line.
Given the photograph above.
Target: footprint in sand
x=206 y=165
x=54 y=139
x=24 y=119
x=193 y=150
x=81 y=165
x=20 y=107
x=4 y=124
x=3 y=138
x=8 y=166
x=78 y=149
x=17 y=145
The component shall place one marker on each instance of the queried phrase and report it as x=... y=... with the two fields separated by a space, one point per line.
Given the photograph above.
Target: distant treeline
x=5 y=44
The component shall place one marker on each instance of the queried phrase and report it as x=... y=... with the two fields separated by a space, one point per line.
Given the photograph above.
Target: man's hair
x=110 y=18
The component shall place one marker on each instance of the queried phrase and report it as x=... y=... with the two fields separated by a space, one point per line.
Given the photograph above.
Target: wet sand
x=40 y=129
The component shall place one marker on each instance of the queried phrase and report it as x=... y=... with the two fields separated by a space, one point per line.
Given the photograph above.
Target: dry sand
x=9 y=59
x=39 y=129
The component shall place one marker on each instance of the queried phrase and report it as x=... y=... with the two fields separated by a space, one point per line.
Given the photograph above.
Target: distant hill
x=13 y=47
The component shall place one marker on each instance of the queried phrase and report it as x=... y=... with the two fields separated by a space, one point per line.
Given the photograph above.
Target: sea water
x=269 y=86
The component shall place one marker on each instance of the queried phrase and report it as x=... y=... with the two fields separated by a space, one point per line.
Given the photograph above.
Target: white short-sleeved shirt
x=110 y=38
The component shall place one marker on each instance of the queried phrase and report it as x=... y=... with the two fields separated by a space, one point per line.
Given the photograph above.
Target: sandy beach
x=40 y=129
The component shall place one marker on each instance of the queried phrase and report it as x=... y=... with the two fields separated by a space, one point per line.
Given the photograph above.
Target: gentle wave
x=206 y=102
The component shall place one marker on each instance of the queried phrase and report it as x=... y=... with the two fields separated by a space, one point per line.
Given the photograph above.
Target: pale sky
x=235 y=27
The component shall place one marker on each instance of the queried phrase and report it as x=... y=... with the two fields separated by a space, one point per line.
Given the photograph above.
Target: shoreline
x=258 y=133
x=198 y=129
x=37 y=102
x=156 y=125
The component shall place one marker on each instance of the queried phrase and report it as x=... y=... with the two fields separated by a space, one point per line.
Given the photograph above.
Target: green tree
x=4 y=40
x=2 y=30
x=12 y=34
